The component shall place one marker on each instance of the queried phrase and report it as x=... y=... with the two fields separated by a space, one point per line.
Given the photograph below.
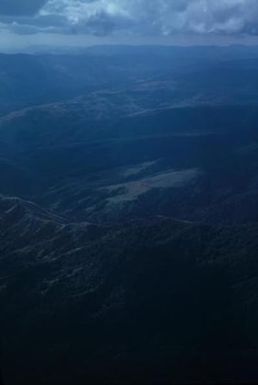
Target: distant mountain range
x=192 y=75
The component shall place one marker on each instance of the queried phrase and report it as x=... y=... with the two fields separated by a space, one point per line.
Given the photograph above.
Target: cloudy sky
x=83 y=22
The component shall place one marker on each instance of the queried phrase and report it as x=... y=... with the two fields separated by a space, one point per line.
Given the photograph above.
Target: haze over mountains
x=129 y=216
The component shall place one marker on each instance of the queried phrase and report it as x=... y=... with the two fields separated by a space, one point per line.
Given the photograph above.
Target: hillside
x=129 y=216
x=95 y=293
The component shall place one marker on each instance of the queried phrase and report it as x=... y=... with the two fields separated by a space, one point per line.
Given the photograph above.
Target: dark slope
x=141 y=303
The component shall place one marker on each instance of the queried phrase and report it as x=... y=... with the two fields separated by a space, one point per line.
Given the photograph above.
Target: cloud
x=20 y=7
x=145 y=18
x=157 y=17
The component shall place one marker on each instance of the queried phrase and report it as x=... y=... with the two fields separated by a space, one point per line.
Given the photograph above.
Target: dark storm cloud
x=146 y=18
x=20 y=7
x=158 y=17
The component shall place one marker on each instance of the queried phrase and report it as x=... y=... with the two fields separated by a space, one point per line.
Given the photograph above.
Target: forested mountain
x=129 y=216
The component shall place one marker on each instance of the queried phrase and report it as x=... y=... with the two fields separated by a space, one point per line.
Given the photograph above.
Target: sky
x=50 y=23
